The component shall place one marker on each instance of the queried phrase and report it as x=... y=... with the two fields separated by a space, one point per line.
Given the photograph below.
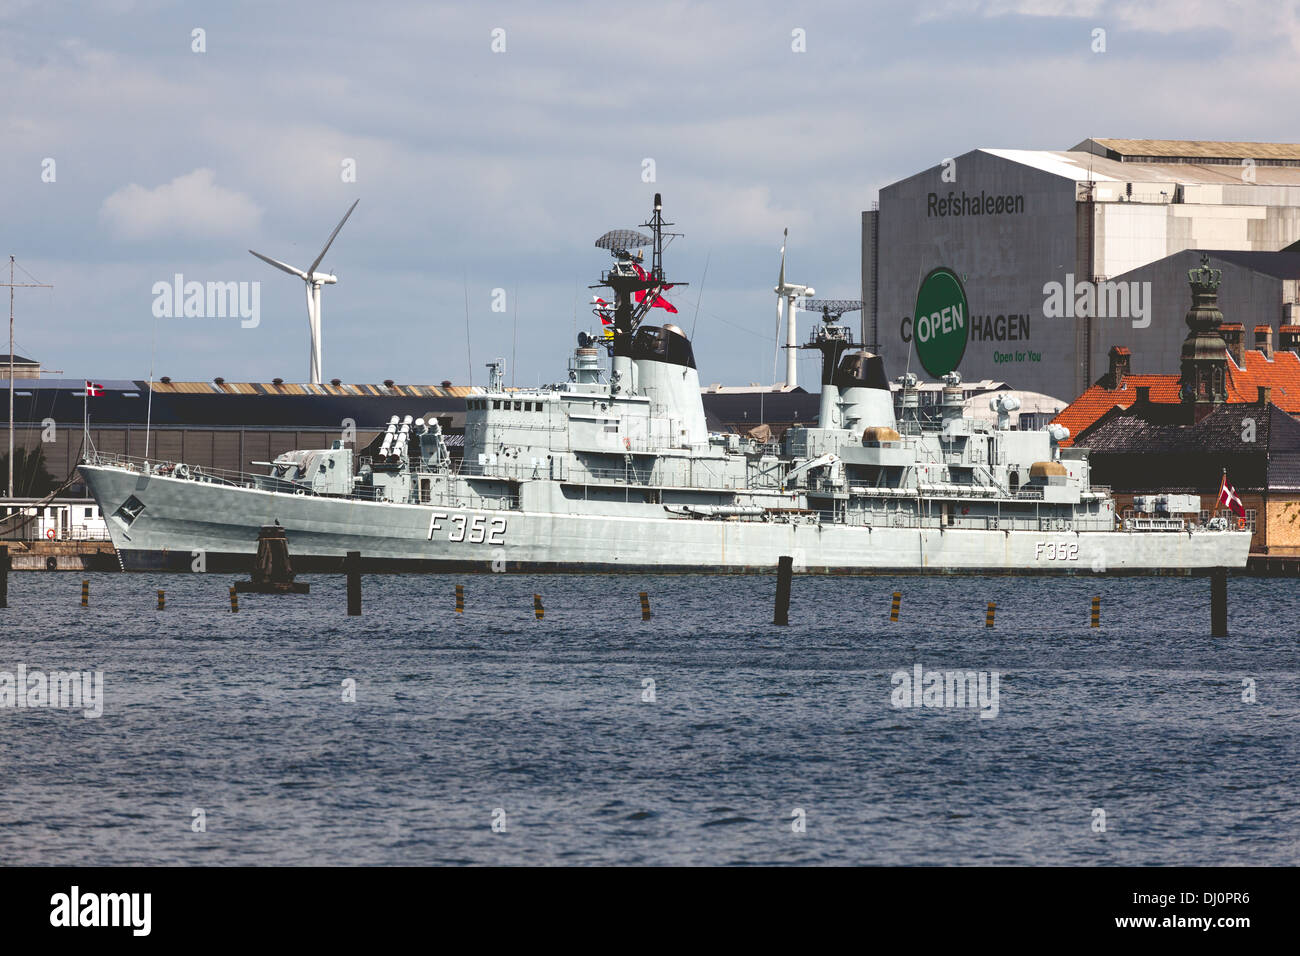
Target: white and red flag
x=94 y=390
x=658 y=302
x=1228 y=498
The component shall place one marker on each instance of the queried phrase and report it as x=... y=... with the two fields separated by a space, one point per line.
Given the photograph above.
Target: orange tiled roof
x=1097 y=400
x=1281 y=375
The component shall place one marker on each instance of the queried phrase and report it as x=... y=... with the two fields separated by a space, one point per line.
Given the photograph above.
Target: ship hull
x=186 y=526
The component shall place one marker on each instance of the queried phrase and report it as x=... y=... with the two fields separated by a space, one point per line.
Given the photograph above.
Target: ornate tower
x=1204 y=367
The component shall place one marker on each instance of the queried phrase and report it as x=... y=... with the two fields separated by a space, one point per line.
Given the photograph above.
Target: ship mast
x=627 y=278
x=14 y=285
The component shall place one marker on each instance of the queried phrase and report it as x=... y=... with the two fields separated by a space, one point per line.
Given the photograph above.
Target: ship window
x=496 y=403
x=519 y=406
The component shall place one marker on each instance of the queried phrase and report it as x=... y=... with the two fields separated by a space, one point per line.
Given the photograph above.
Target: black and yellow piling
x=162 y=600
x=352 y=563
x=537 y=606
x=85 y=594
x=460 y=599
x=1096 y=611
x=784 y=575
x=893 y=608
x=645 y=605
x=988 y=615
x=1219 y=602
x=234 y=600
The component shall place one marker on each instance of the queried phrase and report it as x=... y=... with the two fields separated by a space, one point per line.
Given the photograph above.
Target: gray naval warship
x=614 y=469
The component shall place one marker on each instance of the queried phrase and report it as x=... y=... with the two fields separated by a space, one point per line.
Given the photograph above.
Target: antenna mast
x=14 y=285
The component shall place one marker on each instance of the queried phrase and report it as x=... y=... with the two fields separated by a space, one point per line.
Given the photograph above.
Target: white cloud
x=191 y=206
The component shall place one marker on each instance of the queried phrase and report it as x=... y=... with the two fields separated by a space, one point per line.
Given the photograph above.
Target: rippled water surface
x=460 y=720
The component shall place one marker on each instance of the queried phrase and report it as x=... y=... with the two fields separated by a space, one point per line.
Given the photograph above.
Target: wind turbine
x=789 y=291
x=314 y=281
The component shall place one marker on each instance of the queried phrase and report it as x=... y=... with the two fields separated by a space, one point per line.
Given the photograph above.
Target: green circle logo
x=939 y=323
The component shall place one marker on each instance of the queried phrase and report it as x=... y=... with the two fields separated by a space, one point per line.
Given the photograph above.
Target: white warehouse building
x=1013 y=222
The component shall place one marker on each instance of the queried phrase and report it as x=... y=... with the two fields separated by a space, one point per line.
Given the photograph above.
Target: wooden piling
x=162 y=600
x=1219 y=602
x=784 y=575
x=353 y=565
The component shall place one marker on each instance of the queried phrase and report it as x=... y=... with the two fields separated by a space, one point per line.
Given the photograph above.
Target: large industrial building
x=1064 y=254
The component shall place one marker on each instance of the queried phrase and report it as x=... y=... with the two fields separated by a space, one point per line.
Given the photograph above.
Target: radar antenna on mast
x=832 y=309
x=636 y=291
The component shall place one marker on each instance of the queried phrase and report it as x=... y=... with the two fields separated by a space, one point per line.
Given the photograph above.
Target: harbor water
x=290 y=733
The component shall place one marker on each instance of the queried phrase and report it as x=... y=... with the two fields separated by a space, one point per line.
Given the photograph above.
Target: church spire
x=1204 y=367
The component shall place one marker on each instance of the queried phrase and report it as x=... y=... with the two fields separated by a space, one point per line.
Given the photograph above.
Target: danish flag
x=1228 y=498
x=659 y=302
x=94 y=390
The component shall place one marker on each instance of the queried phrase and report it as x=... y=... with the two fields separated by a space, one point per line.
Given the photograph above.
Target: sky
x=489 y=145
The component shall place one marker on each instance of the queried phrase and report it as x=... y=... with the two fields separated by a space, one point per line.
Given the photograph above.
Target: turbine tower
x=314 y=281
x=788 y=292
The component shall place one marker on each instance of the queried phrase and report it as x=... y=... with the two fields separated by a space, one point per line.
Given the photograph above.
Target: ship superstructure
x=614 y=468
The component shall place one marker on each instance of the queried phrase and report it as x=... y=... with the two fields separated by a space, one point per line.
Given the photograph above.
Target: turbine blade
x=780 y=282
x=329 y=242
x=281 y=265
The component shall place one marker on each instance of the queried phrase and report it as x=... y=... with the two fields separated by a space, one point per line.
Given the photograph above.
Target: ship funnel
x=865 y=398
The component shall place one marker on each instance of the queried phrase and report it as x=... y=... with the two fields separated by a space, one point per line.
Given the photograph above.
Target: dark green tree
x=32 y=478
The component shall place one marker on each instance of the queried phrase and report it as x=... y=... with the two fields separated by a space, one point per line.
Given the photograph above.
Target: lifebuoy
x=627 y=443
x=51 y=534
